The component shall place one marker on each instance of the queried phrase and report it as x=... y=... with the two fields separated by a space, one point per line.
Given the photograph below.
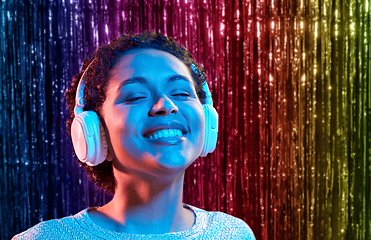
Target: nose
x=163 y=107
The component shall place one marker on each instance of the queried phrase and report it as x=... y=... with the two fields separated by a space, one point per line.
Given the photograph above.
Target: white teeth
x=166 y=133
x=163 y=133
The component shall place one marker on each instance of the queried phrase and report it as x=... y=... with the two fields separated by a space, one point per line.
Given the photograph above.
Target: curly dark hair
x=105 y=58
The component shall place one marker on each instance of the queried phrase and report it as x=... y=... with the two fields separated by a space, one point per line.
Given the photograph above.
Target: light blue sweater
x=208 y=225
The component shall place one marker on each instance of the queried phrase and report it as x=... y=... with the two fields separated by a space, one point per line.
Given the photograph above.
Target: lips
x=167 y=129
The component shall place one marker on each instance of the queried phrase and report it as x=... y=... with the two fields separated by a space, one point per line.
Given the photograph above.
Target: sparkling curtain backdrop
x=290 y=80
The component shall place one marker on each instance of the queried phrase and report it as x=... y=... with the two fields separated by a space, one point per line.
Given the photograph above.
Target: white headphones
x=89 y=138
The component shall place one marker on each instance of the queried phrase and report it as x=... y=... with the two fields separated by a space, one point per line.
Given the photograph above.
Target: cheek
x=198 y=121
x=124 y=139
x=123 y=126
x=118 y=124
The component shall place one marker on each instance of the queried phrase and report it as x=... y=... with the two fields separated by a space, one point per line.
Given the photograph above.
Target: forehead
x=151 y=66
x=148 y=60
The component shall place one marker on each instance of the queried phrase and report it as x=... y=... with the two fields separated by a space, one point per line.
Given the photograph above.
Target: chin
x=172 y=163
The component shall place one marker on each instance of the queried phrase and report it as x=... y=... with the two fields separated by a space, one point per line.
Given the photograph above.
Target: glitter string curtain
x=290 y=80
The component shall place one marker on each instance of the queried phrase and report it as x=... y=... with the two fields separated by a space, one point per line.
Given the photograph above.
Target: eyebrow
x=143 y=80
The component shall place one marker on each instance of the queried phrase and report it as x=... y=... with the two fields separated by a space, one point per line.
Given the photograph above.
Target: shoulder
x=222 y=225
x=64 y=228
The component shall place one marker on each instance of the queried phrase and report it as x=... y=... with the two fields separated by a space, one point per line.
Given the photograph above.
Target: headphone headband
x=79 y=99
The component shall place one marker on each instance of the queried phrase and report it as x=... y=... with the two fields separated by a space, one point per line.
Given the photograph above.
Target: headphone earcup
x=211 y=129
x=88 y=138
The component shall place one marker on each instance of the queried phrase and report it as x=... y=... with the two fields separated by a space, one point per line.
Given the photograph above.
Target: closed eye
x=182 y=94
x=134 y=99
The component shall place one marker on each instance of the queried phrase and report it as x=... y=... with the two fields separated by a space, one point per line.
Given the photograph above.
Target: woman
x=148 y=100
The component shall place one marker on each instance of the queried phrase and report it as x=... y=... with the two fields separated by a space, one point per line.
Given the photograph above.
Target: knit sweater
x=208 y=225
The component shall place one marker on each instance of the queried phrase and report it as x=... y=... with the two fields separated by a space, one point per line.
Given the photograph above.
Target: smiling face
x=153 y=117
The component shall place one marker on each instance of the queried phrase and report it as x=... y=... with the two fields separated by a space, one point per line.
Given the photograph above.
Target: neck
x=147 y=206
